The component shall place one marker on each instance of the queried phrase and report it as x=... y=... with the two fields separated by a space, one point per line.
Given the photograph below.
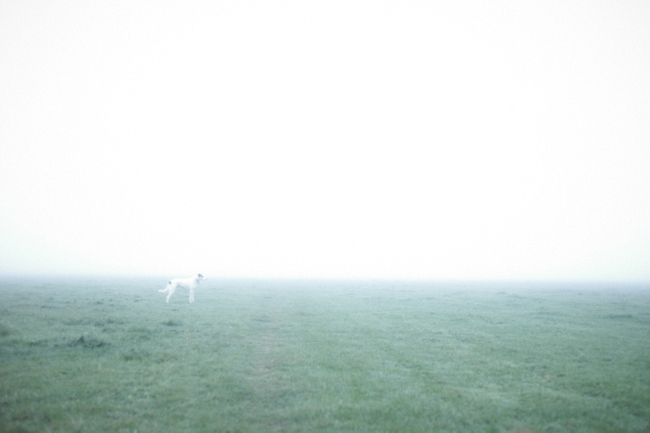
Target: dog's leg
x=191 y=295
x=171 y=292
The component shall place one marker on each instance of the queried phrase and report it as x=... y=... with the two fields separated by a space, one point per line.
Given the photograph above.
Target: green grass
x=111 y=355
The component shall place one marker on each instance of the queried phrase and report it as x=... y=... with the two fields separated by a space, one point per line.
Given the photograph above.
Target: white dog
x=186 y=283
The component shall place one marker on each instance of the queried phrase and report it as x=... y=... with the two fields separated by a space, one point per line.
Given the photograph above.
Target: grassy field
x=111 y=355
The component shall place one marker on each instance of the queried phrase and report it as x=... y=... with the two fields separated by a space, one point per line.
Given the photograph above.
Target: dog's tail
x=166 y=288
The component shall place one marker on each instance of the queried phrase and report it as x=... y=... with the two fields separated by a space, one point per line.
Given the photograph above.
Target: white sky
x=383 y=139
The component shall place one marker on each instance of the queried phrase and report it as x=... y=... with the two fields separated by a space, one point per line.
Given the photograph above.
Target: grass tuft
x=4 y=331
x=88 y=343
x=135 y=355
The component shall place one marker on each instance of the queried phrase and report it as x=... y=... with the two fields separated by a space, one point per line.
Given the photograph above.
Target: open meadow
x=96 y=355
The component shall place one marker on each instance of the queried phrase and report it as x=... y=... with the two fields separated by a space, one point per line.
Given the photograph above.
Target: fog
x=326 y=139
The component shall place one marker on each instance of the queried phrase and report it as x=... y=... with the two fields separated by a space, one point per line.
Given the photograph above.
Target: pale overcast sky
x=347 y=139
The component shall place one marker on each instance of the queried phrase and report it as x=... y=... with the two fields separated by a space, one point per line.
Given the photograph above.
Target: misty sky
x=348 y=139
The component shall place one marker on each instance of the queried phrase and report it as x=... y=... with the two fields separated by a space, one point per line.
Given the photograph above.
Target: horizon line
x=522 y=280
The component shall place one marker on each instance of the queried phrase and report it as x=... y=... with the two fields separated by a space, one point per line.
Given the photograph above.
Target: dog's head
x=200 y=277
